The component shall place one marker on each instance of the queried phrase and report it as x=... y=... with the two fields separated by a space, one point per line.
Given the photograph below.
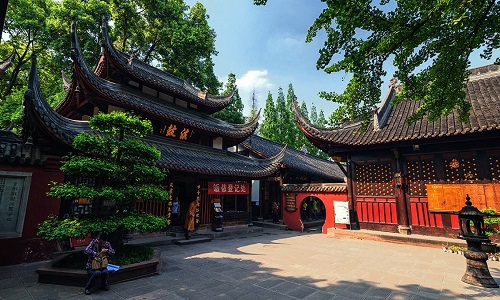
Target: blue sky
x=264 y=46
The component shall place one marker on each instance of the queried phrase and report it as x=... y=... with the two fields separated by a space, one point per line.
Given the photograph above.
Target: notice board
x=451 y=197
x=290 y=202
x=341 y=209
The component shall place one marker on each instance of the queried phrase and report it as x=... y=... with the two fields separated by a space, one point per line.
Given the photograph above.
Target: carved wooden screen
x=374 y=180
x=420 y=173
x=458 y=169
x=494 y=164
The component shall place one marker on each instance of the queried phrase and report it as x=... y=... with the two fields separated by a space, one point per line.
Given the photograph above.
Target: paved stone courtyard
x=278 y=264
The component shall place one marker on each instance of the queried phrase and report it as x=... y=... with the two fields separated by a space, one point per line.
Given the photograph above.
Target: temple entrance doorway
x=312 y=213
x=299 y=217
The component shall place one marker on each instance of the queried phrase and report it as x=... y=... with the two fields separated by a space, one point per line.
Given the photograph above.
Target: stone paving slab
x=276 y=264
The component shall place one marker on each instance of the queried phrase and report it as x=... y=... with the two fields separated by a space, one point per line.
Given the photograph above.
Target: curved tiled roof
x=315 y=188
x=128 y=98
x=483 y=92
x=295 y=159
x=14 y=150
x=176 y=155
x=163 y=81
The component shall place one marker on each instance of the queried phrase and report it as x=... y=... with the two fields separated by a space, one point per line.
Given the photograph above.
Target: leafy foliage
x=129 y=254
x=268 y=128
x=55 y=229
x=234 y=112
x=124 y=167
x=430 y=44
x=164 y=31
x=491 y=221
x=279 y=126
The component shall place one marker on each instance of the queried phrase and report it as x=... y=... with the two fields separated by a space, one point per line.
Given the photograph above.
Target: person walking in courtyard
x=276 y=212
x=98 y=246
x=315 y=209
x=189 y=223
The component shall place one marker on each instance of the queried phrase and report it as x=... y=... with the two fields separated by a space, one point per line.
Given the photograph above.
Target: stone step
x=193 y=240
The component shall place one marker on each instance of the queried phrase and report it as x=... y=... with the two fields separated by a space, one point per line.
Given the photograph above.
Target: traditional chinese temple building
x=192 y=143
x=412 y=178
x=303 y=177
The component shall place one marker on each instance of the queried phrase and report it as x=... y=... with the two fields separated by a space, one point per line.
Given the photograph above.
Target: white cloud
x=286 y=45
x=257 y=80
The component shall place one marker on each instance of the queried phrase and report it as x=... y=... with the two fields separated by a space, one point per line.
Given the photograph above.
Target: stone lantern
x=472 y=230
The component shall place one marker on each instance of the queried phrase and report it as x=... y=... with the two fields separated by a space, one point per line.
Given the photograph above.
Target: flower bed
x=494 y=256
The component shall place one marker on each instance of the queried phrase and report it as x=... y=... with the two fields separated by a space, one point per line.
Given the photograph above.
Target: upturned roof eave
x=127 y=97
x=62 y=130
x=294 y=159
x=163 y=81
x=483 y=91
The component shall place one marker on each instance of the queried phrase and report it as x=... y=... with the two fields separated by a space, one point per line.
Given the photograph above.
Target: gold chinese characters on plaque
x=451 y=197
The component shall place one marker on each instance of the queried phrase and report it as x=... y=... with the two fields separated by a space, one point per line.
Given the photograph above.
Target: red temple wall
x=293 y=220
x=29 y=247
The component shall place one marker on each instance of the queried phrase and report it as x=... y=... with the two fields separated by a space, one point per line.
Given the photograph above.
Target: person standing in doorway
x=304 y=210
x=315 y=209
x=175 y=211
x=189 y=223
x=276 y=212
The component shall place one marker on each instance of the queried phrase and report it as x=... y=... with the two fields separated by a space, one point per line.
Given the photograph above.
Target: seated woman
x=96 y=246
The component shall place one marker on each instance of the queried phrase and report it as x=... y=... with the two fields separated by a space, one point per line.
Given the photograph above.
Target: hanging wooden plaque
x=290 y=202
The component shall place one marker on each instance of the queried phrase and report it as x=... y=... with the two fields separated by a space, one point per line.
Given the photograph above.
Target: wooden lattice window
x=460 y=169
x=419 y=174
x=374 y=180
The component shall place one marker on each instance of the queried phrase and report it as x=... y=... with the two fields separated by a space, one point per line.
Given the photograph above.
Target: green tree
x=304 y=110
x=269 y=126
x=234 y=112
x=282 y=113
x=292 y=131
x=26 y=34
x=123 y=168
x=429 y=43
x=322 y=122
x=163 y=31
x=313 y=115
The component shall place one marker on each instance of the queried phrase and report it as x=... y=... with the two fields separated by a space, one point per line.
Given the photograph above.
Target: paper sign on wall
x=341 y=209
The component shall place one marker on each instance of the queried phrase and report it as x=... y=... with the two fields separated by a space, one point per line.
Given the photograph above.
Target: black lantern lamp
x=472 y=230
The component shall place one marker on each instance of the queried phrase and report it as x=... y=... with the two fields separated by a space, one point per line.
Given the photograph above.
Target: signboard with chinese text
x=228 y=188
x=341 y=209
x=451 y=197
x=177 y=132
x=290 y=202
x=14 y=190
